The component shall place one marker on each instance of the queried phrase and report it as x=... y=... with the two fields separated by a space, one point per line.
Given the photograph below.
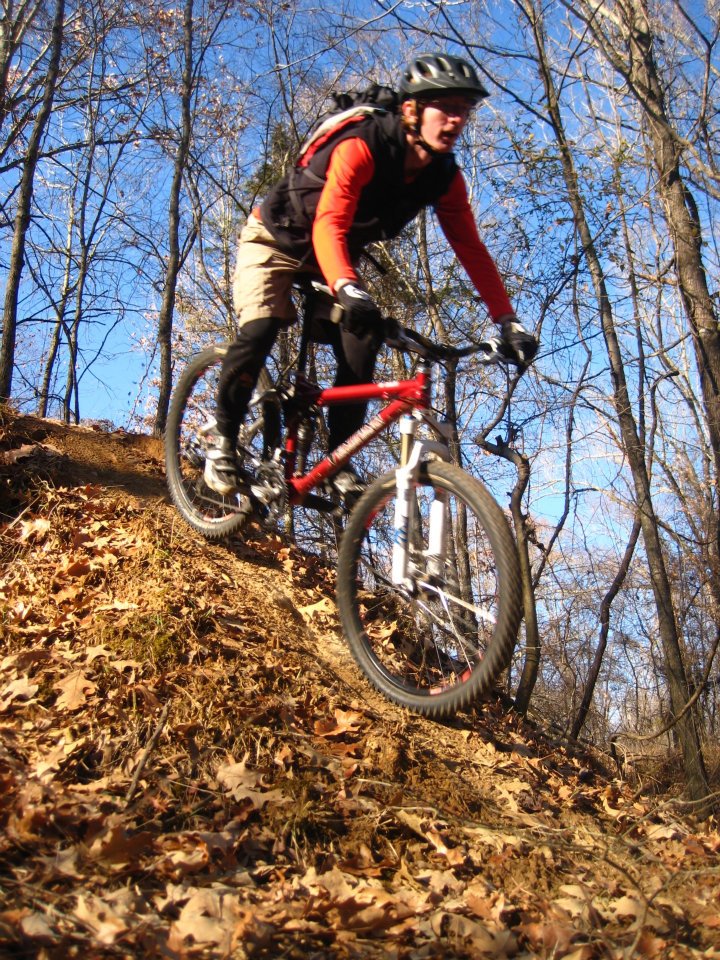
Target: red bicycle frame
x=402 y=396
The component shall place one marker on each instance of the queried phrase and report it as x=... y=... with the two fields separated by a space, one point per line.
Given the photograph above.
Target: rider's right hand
x=360 y=312
x=516 y=343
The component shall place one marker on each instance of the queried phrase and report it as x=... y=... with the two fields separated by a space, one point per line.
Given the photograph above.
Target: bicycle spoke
x=485 y=613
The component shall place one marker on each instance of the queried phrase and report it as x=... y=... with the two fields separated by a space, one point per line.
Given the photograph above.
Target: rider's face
x=443 y=120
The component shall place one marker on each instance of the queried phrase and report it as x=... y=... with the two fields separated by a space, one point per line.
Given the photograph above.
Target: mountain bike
x=428 y=583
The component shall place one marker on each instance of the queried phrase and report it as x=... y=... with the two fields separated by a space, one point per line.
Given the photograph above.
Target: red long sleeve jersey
x=351 y=168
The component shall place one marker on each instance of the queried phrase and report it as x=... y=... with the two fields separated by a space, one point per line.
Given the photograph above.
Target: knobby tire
x=192 y=408
x=438 y=646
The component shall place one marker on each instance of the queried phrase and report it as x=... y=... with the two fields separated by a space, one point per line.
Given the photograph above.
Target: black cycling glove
x=360 y=312
x=516 y=343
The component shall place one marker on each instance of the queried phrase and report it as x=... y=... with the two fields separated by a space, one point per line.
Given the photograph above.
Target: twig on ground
x=146 y=753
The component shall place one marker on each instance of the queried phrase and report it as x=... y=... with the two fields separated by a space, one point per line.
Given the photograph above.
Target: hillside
x=191 y=766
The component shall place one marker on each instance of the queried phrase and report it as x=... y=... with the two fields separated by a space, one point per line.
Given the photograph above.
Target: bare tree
x=696 y=776
x=175 y=254
x=82 y=272
x=625 y=34
x=25 y=195
x=17 y=21
x=592 y=677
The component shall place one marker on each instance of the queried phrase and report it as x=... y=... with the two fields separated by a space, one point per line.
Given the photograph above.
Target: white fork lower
x=406 y=478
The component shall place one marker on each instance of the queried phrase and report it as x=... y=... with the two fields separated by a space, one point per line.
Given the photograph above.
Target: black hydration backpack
x=356 y=103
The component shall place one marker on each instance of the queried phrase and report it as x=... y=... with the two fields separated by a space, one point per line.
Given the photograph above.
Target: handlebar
x=409 y=341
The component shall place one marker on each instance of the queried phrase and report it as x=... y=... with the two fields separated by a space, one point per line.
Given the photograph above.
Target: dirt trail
x=191 y=766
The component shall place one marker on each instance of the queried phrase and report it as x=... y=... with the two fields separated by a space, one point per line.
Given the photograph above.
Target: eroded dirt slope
x=190 y=766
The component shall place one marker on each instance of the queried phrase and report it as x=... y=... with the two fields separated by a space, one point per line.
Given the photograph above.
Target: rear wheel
x=191 y=431
x=441 y=640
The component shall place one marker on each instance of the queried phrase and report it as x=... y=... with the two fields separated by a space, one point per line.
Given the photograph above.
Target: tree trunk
x=60 y=311
x=588 y=692
x=167 y=308
x=22 y=218
x=531 y=664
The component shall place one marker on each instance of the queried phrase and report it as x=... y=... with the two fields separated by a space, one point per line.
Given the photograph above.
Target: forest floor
x=191 y=765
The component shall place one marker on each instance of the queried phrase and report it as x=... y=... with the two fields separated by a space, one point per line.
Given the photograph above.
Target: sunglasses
x=451 y=108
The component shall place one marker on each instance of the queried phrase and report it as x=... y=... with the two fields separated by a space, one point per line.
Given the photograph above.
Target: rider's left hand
x=517 y=344
x=361 y=315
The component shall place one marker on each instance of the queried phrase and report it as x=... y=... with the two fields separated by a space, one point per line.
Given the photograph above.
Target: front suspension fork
x=413 y=452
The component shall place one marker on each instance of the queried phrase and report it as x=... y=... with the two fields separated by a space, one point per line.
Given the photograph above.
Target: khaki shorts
x=263 y=278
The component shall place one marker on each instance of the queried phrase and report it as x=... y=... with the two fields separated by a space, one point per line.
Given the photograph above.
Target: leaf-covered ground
x=191 y=766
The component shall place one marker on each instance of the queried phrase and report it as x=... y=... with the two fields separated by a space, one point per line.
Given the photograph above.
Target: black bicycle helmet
x=432 y=73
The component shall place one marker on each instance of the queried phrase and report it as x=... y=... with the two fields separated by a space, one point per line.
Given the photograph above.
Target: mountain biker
x=364 y=184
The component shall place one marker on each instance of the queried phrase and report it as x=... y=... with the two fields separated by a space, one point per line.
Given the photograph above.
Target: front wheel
x=442 y=638
x=191 y=431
